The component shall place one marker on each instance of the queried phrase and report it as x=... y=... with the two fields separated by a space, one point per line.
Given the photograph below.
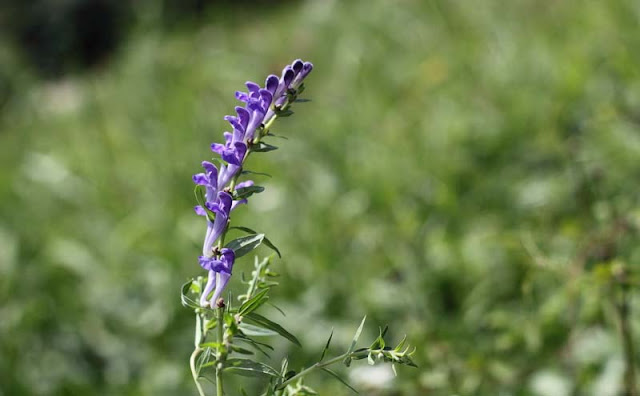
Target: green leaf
x=277 y=136
x=401 y=344
x=255 y=344
x=326 y=347
x=249 y=368
x=284 y=113
x=275 y=306
x=265 y=240
x=244 y=245
x=347 y=360
x=263 y=147
x=357 y=335
x=245 y=172
x=241 y=350
x=251 y=330
x=254 y=303
x=336 y=376
x=302 y=100
x=268 y=324
x=246 y=192
x=204 y=360
x=379 y=342
x=187 y=301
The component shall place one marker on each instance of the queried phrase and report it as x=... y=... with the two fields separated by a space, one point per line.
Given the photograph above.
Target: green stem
x=194 y=373
x=253 y=286
x=221 y=354
x=320 y=365
x=194 y=355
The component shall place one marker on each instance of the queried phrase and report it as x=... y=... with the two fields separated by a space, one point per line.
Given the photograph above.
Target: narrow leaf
x=244 y=245
x=276 y=307
x=265 y=240
x=255 y=344
x=249 y=368
x=246 y=192
x=254 y=303
x=277 y=136
x=251 y=330
x=357 y=335
x=185 y=297
x=263 y=147
x=268 y=324
x=326 y=347
x=336 y=376
x=241 y=350
x=284 y=113
x=244 y=172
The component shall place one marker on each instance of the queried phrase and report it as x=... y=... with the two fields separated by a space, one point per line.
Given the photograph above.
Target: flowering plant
x=218 y=192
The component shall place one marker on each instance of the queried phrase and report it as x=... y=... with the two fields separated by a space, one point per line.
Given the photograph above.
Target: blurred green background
x=466 y=173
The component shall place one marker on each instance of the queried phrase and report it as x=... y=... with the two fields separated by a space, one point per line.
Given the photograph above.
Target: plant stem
x=194 y=355
x=220 y=363
x=627 y=342
x=194 y=373
x=319 y=365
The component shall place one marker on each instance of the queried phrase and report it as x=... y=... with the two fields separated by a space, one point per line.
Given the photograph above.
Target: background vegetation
x=465 y=173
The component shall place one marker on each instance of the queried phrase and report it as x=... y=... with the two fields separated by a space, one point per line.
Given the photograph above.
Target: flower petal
x=221 y=282
x=200 y=179
x=297 y=66
x=217 y=148
x=251 y=86
x=243 y=184
x=271 y=84
x=238 y=202
x=208 y=288
x=243 y=116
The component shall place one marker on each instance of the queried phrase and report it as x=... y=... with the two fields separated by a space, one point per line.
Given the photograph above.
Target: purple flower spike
x=260 y=106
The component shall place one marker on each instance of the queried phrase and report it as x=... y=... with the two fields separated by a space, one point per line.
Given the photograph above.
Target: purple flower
x=209 y=179
x=231 y=152
x=292 y=77
x=258 y=101
x=303 y=72
x=219 y=268
x=221 y=207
